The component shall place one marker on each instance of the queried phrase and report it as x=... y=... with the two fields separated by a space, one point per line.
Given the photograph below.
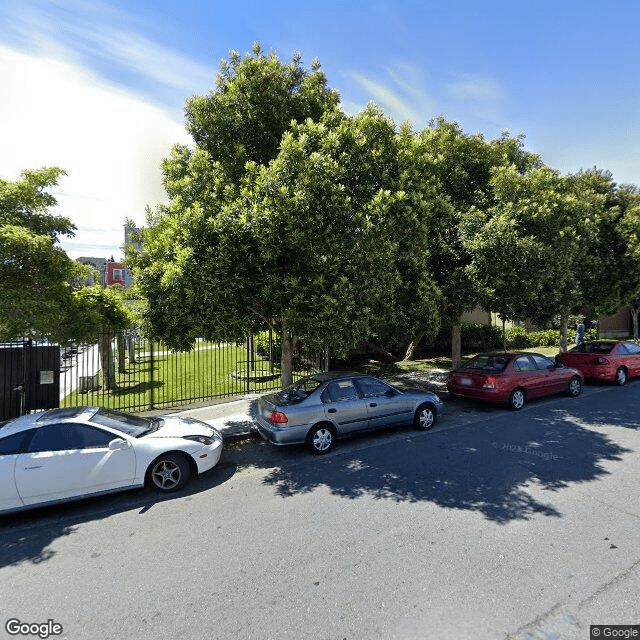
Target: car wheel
x=575 y=387
x=621 y=377
x=168 y=472
x=517 y=399
x=321 y=439
x=425 y=417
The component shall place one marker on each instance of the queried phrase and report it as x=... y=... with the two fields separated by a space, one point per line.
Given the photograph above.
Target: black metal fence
x=129 y=372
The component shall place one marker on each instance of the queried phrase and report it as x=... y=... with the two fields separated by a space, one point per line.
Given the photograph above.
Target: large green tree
x=308 y=246
x=548 y=246
x=446 y=173
x=36 y=275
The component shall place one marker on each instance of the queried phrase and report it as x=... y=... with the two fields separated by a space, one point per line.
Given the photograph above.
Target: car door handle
x=39 y=466
x=373 y=404
x=332 y=410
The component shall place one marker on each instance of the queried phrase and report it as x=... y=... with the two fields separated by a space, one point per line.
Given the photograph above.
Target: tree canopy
x=35 y=274
x=331 y=229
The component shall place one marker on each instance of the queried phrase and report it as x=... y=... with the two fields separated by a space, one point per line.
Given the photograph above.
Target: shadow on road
x=27 y=536
x=490 y=467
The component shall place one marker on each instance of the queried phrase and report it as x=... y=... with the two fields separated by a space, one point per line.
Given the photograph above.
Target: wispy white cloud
x=143 y=56
x=401 y=92
x=477 y=88
x=100 y=35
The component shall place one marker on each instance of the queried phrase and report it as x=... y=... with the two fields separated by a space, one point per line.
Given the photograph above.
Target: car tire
x=517 y=399
x=574 y=387
x=621 y=377
x=425 y=417
x=168 y=473
x=321 y=439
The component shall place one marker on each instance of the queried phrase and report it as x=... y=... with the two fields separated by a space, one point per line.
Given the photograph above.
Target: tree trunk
x=385 y=355
x=563 y=331
x=413 y=345
x=634 y=314
x=122 y=352
x=105 y=346
x=286 y=365
x=456 y=344
x=131 y=346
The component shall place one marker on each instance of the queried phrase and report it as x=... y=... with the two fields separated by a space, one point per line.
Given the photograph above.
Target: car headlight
x=201 y=439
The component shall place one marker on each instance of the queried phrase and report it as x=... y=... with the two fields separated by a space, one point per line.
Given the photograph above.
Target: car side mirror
x=118 y=444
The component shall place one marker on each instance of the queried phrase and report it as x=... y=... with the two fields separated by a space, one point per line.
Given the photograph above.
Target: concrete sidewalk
x=233 y=419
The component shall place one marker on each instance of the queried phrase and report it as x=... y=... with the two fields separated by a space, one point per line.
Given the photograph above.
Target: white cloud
x=402 y=94
x=110 y=142
x=471 y=87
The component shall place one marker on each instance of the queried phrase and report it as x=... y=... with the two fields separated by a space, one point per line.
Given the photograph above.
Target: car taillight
x=489 y=383
x=277 y=417
x=600 y=360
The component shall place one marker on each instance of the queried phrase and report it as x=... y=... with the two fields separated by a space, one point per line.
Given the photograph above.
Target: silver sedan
x=321 y=408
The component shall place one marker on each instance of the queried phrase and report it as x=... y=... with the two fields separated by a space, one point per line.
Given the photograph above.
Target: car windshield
x=127 y=423
x=300 y=390
x=489 y=362
x=594 y=347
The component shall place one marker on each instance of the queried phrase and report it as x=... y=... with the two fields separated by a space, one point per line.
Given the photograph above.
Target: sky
x=98 y=87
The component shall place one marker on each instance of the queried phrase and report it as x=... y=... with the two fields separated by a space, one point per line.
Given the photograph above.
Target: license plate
x=467 y=382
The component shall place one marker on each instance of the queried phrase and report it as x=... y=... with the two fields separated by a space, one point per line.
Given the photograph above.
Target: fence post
x=151 y=374
x=248 y=364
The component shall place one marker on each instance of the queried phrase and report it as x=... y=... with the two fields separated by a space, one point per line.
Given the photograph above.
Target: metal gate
x=29 y=379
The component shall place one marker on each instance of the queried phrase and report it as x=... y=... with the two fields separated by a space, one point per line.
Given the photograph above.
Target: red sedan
x=611 y=360
x=512 y=378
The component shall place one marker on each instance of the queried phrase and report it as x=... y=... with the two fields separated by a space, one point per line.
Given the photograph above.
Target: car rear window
x=488 y=363
x=594 y=347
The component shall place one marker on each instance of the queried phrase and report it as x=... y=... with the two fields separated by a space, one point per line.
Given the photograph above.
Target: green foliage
x=26 y=202
x=476 y=335
x=521 y=338
x=262 y=344
x=36 y=276
x=255 y=100
x=306 y=232
x=97 y=310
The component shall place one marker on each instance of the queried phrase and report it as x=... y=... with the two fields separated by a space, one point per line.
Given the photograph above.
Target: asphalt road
x=493 y=525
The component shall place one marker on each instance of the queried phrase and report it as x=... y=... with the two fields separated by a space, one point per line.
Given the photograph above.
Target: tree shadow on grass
x=494 y=467
x=27 y=536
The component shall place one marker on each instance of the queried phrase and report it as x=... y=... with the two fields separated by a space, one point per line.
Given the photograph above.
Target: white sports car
x=70 y=453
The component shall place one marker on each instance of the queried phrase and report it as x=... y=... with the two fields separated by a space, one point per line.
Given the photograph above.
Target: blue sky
x=98 y=87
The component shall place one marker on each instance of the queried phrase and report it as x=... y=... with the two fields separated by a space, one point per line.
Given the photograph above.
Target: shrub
x=592 y=334
x=475 y=335
x=262 y=344
x=547 y=338
x=519 y=338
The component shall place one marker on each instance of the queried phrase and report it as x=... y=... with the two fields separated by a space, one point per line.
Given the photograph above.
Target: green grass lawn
x=175 y=378
x=216 y=371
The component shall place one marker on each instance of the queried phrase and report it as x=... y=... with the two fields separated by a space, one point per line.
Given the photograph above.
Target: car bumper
x=486 y=395
x=209 y=455
x=280 y=436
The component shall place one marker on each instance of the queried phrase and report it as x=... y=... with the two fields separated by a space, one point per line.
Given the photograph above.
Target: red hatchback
x=611 y=360
x=512 y=378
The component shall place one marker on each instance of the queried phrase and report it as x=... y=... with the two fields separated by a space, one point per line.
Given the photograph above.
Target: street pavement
x=495 y=525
